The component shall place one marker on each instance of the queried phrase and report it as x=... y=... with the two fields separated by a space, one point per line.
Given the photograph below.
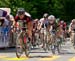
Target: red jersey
x=63 y=25
x=28 y=19
x=25 y=18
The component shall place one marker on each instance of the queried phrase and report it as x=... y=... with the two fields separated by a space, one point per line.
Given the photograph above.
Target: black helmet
x=21 y=11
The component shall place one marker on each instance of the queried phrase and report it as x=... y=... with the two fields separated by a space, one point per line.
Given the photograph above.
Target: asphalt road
x=38 y=54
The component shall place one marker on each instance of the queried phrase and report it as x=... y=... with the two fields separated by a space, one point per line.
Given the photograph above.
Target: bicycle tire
x=18 y=46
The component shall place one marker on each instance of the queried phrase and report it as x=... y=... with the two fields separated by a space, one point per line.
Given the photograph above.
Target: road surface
x=37 y=54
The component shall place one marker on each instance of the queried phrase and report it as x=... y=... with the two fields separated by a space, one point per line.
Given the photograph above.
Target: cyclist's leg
x=72 y=37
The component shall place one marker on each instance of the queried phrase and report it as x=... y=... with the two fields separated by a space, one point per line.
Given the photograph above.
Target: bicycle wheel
x=74 y=41
x=27 y=46
x=37 y=39
x=48 y=41
x=58 y=45
x=45 y=43
x=19 y=49
x=53 y=46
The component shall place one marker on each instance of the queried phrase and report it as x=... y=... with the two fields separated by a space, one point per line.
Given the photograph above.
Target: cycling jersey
x=23 y=22
x=44 y=22
x=28 y=19
x=28 y=22
x=62 y=25
x=35 y=24
x=54 y=25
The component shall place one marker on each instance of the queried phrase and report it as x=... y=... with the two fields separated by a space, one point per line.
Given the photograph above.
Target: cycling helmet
x=51 y=17
x=36 y=20
x=21 y=11
x=73 y=20
x=62 y=21
x=45 y=15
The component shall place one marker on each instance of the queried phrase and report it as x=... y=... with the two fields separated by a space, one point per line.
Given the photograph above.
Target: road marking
x=15 y=58
x=72 y=59
x=50 y=58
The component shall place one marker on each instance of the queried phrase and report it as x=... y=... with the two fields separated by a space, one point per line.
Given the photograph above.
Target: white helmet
x=62 y=21
x=73 y=20
x=45 y=15
x=51 y=17
x=36 y=20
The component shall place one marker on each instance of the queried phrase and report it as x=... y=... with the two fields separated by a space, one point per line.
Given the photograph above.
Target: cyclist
x=52 y=22
x=62 y=24
x=35 y=30
x=11 y=24
x=35 y=24
x=43 y=22
x=54 y=34
x=25 y=19
x=72 y=29
x=72 y=25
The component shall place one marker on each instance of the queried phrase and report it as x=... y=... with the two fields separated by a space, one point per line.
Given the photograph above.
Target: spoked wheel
x=44 y=48
x=33 y=40
x=19 y=49
x=48 y=42
x=53 y=48
x=43 y=41
x=58 y=45
x=27 y=46
x=37 y=39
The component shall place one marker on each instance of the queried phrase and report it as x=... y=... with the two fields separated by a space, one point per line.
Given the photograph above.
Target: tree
x=64 y=9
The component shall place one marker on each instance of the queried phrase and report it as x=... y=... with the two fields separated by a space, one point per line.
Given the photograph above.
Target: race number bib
x=22 y=23
x=25 y=23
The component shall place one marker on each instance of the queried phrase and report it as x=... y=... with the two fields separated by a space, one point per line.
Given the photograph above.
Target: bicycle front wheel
x=19 y=49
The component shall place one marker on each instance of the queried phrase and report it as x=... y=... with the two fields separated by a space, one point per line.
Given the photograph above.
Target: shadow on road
x=7 y=50
x=40 y=56
x=38 y=52
x=67 y=53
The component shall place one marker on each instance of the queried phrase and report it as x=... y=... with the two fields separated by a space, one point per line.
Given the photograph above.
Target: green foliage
x=64 y=9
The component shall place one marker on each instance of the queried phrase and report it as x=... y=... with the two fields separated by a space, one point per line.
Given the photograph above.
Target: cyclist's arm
x=70 y=27
x=29 y=23
x=13 y=22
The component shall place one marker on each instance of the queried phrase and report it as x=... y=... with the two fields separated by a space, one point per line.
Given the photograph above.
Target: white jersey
x=41 y=21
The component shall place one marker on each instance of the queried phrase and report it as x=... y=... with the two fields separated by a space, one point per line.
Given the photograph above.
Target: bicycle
x=55 y=43
x=23 y=43
x=36 y=38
